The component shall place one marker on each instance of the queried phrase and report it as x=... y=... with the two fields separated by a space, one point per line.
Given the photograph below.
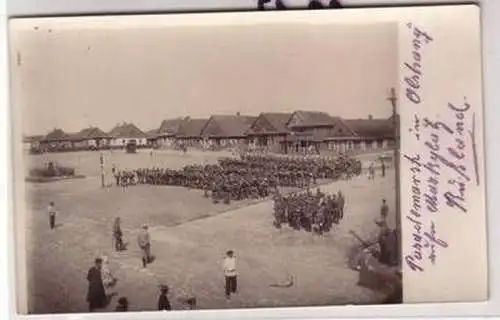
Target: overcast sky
x=71 y=78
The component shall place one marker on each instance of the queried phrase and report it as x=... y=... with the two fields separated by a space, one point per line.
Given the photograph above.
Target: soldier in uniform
x=118 y=235
x=341 y=202
x=279 y=210
x=144 y=242
x=384 y=210
x=371 y=172
x=382 y=163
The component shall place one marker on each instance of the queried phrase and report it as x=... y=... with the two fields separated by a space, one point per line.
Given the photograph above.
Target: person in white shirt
x=230 y=273
x=108 y=280
x=52 y=215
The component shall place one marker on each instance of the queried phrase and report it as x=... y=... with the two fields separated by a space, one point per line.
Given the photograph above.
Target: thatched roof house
x=227 y=126
x=191 y=129
x=153 y=133
x=170 y=127
x=57 y=135
x=372 y=128
x=90 y=133
x=127 y=130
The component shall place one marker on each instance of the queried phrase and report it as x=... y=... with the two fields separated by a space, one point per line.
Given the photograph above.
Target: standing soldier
x=371 y=172
x=382 y=163
x=52 y=215
x=384 y=211
x=144 y=242
x=117 y=176
x=278 y=208
x=341 y=201
x=117 y=235
x=335 y=209
x=319 y=195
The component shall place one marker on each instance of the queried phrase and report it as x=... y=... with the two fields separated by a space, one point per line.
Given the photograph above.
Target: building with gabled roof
x=31 y=142
x=310 y=131
x=226 y=130
x=125 y=133
x=189 y=133
x=56 y=140
x=372 y=133
x=91 y=138
x=167 y=132
x=268 y=131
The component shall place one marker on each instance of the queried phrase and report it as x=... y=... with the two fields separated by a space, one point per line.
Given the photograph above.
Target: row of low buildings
x=275 y=132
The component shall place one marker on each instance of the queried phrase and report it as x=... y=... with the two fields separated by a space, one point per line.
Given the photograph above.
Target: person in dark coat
x=383 y=166
x=163 y=302
x=96 y=296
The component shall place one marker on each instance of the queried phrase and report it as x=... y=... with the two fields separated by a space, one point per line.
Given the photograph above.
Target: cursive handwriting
x=414 y=69
x=432 y=242
x=415 y=128
x=440 y=175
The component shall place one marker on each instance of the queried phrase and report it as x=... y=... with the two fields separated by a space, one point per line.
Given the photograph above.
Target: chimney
x=370 y=117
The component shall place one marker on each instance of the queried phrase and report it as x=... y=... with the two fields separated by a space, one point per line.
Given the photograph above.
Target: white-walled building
x=125 y=133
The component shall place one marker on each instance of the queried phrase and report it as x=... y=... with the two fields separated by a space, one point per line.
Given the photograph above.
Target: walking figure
x=52 y=215
x=230 y=273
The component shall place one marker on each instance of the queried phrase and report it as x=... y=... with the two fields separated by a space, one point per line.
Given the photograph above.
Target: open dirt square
x=190 y=236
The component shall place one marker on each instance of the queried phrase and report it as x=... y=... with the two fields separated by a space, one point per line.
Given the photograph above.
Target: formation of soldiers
x=249 y=177
x=307 y=211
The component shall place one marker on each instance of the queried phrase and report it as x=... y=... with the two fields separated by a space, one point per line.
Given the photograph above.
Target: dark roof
x=127 y=130
x=57 y=135
x=230 y=126
x=191 y=128
x=277 y=123
x=371 y=128
x=171 y=126
x=153 y=133
x=312 y=118
x=90 y=133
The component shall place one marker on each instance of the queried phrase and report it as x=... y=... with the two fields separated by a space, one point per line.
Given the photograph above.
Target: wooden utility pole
x=397 y=144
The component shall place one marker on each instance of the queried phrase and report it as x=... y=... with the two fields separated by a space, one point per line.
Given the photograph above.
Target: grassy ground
x=189 y=238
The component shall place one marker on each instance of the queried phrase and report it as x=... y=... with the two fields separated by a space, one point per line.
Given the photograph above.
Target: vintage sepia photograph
x=169 y=164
